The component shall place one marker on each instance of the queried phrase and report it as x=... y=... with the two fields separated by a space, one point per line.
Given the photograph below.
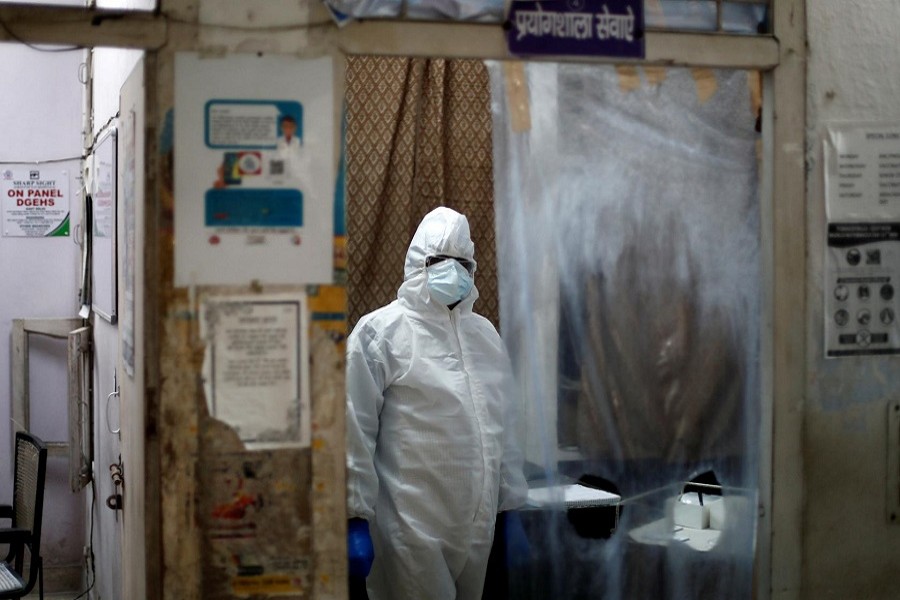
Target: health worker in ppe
x=430 y=451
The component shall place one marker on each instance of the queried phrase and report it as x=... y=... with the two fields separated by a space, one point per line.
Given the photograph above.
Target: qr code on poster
x=276 y=167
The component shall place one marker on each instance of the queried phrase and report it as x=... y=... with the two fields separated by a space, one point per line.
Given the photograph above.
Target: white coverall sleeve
x=365 y=396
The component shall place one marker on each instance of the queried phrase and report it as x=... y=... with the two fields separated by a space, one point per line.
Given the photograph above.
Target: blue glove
x=518 y=550
x=360 y=552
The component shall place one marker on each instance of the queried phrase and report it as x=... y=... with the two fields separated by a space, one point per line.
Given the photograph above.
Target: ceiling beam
x=63 y=25
x=94 y=27
x=471 y=40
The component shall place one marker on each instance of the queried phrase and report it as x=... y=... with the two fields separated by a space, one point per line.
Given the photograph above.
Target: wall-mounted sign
x=861 y=289
x=256 y=368
x=862 y=261
x=129 y=231
x=576 y=28
x=103 y=232
x=35 y=200
x=862 y=172
x=254 y=171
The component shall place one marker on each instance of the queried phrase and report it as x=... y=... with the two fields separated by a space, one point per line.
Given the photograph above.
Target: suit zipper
x=462 y=360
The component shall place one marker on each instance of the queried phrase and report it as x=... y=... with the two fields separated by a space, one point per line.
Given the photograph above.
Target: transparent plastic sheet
x=628 y=241
x=490 y=11
x=349 y=10
x=691 y=15
x=700 y=15
x=454 y=10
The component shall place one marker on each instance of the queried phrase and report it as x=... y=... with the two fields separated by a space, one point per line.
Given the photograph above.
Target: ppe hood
x=443 y=231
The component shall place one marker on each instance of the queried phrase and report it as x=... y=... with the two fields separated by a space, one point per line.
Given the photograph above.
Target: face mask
x=449 y=282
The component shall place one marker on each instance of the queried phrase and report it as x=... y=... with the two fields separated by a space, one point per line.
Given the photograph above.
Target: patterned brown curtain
x=418 y=137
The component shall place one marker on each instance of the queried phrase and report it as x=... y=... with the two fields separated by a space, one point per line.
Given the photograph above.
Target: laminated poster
x=256 y=367
x=862 y=262
x=129 y=229
x=35 y=200
x=103 y=242
x=254 y=170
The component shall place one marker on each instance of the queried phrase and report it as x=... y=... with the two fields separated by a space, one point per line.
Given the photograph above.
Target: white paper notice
x=254 y=170
x=862 y=172
x=256 y=368
x=862 y=261
x=35 y=200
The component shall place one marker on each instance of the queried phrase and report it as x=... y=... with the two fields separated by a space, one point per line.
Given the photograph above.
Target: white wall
x=849 y=550
x=40 y=117
x=110 y=69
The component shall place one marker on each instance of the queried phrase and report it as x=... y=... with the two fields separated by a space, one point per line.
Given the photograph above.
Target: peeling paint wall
x=849 y=549
x=236 y=521
x=225 y=510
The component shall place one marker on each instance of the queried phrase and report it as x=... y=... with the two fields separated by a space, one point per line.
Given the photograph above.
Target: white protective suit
x=429 y=398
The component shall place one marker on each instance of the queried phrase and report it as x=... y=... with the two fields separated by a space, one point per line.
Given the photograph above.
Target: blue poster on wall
x=612 y=28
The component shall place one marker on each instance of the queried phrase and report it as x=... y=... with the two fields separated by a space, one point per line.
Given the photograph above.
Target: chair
x=25 y=514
